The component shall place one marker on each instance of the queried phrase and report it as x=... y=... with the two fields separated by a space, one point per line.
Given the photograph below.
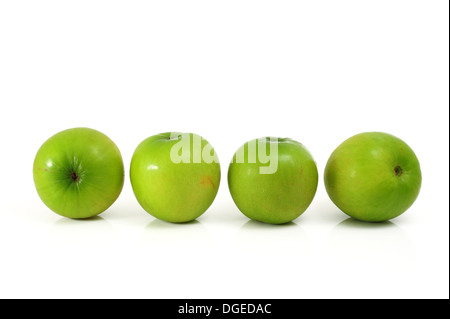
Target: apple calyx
x=75 y=178
x=398 y=170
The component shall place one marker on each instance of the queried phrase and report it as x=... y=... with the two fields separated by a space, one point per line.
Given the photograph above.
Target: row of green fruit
x=79 y=173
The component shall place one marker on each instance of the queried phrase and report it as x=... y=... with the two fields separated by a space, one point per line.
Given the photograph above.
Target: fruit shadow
x=93 y=231
x=67 y=221
x=276 y=239
x=160 y=224
x=174 y=236
x=254 y=224
x=355 y=223
x=370 y=245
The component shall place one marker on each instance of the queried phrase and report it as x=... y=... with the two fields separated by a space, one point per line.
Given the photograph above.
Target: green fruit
x=373 y=176
x=78 y=173
x=273 y=187
x=175 y=177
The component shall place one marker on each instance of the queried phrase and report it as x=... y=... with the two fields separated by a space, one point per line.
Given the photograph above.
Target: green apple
x=78 y=173
x=175 y=176
x=373 y=176
x=272 y=180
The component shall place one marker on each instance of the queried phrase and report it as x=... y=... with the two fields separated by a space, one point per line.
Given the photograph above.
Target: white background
x=316 y=71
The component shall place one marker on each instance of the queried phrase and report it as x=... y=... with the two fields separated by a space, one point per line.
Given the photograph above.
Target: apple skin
x=173 y=192
x=78 y=173
x=373 y=176
x=275 y=198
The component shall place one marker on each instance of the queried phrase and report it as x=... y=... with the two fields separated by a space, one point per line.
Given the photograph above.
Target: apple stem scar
x=398 y=170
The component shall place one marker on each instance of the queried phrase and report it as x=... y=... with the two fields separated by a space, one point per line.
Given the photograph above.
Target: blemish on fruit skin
x=41 y=169
x=207 y=180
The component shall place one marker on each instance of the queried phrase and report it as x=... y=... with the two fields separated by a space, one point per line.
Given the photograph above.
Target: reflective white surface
x=230 y=71
x=125 y=252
